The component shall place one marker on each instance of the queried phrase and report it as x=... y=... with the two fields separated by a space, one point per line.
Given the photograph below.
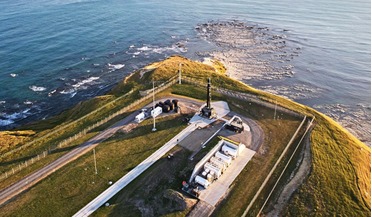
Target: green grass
x=73 y=186
x=55 y=138
x=344 y=162
x=339 y=182
x=6 y=166
x=12 y=139
x=340 y=179
x=148 y=189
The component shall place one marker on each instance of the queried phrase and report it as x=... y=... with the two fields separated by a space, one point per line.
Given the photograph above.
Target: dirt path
x=296 y=181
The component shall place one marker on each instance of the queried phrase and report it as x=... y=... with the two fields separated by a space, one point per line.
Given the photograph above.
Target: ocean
x=55 y=53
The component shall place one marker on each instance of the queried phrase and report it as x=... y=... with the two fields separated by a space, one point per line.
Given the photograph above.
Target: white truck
x=140 y=117
x=156 y=112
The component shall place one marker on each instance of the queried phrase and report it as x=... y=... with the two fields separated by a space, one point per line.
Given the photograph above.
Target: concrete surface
x=195 y=122
x=201 y=209
x=30 y=180
x=219 y=188
x=195 y=140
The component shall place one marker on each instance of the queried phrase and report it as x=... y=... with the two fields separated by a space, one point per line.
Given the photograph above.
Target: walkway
x=221 y=109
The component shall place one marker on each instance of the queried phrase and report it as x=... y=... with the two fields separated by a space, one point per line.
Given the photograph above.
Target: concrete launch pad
x=219 y=188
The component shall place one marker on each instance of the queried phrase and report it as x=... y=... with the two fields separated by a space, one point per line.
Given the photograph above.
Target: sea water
x=55 y=53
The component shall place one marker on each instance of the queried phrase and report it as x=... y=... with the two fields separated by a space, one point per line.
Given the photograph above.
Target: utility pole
x=153 y=103
x=179 y=73
x=95 y=161
x=275 y=109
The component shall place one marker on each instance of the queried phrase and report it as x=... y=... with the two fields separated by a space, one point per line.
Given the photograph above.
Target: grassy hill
x=339 y=182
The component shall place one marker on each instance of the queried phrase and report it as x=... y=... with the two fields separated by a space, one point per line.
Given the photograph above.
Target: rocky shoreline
x=254 y=54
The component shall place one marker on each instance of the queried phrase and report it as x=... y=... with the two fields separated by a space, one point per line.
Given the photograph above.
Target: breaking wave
x=86 y=81
x=7 y=119
x=36 y=88
x=114 y=67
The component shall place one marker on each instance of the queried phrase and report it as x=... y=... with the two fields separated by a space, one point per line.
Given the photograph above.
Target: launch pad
x=207 y=111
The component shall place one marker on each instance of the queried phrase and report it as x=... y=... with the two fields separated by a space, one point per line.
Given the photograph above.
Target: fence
x=83 y=132
x=244 y=96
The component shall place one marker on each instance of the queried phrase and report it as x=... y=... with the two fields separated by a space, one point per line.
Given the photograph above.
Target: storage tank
x=156 y=112
x=223 y=157
x=139 y=118
x=175 y=103
x=204 y=173
x=217 y=171
x=216 y=161
x=209 y=177
x=165 y=108
x=201 y=181
x=168 y=102
x=230 y=151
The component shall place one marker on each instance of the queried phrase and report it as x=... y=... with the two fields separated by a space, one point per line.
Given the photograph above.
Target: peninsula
x=301 y=162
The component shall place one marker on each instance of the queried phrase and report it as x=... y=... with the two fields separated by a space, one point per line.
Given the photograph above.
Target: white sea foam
x=2 y=102
x=179 y=47
x=68 y=91
x=16 y=115
x=13 y=75
x=72 y=92
x=5 y=122
x=86 y=81
x=52 y=92
x=115 y=66
x=144 y=48
x=36 y=88
x=27 y=102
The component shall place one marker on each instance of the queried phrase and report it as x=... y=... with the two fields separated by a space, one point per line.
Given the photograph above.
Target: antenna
x=209 y=94
x=153 y=103
x=95 y=161
x=179 y=73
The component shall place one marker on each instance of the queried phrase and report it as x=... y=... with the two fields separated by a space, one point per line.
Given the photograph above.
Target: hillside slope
x=339 y=182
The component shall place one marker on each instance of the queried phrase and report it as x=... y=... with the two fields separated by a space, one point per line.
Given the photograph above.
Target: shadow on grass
x=147 y=129
x=23 y=159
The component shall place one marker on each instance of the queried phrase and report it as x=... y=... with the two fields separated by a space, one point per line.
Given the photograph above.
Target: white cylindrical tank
x=204 y=173
x=227 y=150
x=157 y=111
x=201 y=181
x=139 y=118
x=217 y=171
x=209 y=177
x=223 y=157
x=216 y=161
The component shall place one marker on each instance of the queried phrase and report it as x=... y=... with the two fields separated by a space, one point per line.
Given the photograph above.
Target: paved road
x=201 y=209
x=134 y=173
x=30 y=180
x=35 y=177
